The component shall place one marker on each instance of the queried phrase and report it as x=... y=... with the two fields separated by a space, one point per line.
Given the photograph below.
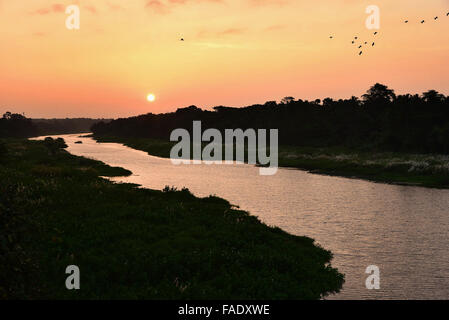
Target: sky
x=235 y=53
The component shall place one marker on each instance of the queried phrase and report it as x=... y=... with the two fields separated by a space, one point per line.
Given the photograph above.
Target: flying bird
x=373 y=44
x=182 y=39
x=360 y=53
x=436 y=18
x=360 y=46
x=353 y=41
x=366 y=42
x=423 y=21
x=406 y=21
x=447 y=14
x=375 y=33
x=331 y=37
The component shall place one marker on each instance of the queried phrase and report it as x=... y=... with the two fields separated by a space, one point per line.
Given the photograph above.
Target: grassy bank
x=389 y=167
x=131 y=243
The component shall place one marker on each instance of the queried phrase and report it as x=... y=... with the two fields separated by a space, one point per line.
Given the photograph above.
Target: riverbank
x=387 y=167
x=133 y=243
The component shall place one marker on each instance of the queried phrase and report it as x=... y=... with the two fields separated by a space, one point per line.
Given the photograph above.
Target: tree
x=16 y=125
x=270 y=104
x=7 y=115
x=287 y=100
x=381 y=121
x=432 y=96
x=328 y=102
x=355 y=100
x=379 y=93
x=54 y=145
x=188 y=109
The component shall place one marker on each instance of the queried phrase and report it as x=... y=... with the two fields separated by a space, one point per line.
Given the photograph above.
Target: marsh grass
x=133 y=243
x=427 y=170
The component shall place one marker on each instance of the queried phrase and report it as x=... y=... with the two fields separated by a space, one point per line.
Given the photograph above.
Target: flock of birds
x=375 y=33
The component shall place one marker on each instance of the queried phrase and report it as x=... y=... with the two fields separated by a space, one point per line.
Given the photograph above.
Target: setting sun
x=151 y=97
x=230 y=150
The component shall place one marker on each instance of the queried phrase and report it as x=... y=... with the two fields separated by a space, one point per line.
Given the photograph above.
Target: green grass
x=133 y=243
x=388 y=167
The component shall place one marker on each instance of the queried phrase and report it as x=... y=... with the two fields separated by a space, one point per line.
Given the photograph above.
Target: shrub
x=54 y=145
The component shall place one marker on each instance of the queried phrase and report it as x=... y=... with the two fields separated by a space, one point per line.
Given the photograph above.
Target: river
x=403 y=230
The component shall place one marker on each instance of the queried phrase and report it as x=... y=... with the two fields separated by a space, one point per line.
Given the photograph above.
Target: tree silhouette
x=380 y=121
x=54 y=145
x=287 y=100
x=7 y=115
x=432 y=96
x=16 y=126
x=379 y=93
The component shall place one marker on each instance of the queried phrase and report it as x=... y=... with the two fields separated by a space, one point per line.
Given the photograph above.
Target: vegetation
x=3 y=150
x=14 y=125
x=390 y=167
x=382 y=137
x=427 y=170
x=381 y=121
x=65 y=126
x=131 y=243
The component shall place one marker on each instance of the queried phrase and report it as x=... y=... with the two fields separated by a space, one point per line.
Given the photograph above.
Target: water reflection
x=403 y=230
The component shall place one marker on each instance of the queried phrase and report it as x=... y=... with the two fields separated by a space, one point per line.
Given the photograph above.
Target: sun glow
x=151 y=97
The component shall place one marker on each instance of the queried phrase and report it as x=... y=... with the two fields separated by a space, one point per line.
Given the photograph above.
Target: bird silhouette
x=447 y=14
x=366 y=42
x=423 y=21
x=353 y=41
x=373 y=44
x=375 y=33
x=360 y=46
x=331 y=37
x=406 y=21
x=182 y=39
x=436 y=18
x=355 y=38
x=360 y=53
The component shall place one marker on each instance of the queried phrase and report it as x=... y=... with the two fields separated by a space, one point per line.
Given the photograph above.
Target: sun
x=151 y=97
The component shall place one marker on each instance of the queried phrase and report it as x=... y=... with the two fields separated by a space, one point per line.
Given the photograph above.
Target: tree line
x=379 y=120
x=14 y=125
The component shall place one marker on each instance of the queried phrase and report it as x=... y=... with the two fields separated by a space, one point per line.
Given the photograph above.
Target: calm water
x=403 y=230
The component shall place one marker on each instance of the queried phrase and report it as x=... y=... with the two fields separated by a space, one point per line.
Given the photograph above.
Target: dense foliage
x=65 y=126
x=132 y=243
x=380 y=120
x=14 y=125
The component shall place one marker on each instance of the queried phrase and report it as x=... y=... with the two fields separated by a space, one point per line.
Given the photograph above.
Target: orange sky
x=236 y=52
